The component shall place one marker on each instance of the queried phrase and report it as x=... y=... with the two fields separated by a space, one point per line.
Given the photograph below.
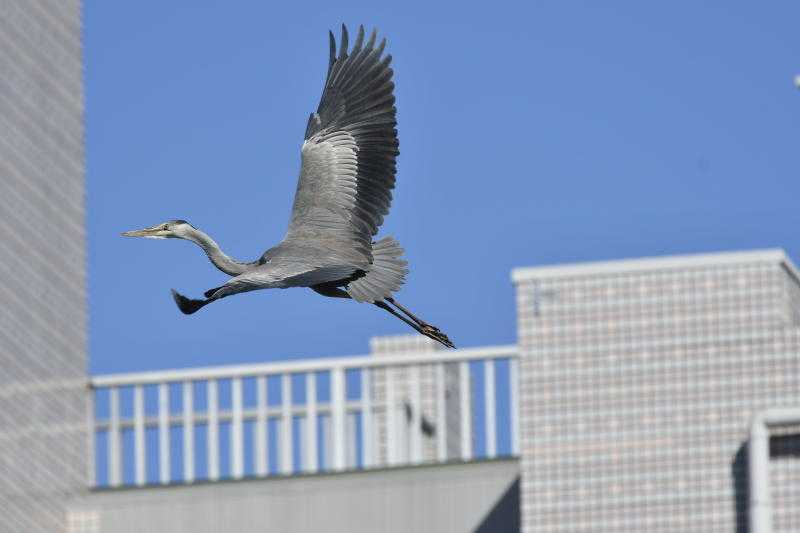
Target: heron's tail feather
x=187 y=305
x=386 y=274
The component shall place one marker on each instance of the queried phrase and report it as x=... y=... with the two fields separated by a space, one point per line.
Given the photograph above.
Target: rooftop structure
x=639 y=382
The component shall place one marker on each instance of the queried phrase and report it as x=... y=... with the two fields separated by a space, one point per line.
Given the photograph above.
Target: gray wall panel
x=639 y=382
x=446 y=498
x=43 y=441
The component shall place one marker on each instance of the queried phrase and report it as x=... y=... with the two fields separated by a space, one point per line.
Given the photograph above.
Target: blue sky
x=530 y=134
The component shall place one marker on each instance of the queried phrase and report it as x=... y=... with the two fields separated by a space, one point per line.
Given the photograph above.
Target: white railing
x=306 y=416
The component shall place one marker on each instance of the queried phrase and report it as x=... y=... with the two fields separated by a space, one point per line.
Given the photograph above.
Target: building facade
x=639 y=383
x=43 y=329
x=402 y=394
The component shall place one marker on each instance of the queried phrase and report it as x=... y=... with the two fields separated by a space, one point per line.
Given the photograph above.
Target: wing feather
x=350 y=151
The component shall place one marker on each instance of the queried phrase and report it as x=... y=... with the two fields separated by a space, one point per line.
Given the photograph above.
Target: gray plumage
x=347 y=174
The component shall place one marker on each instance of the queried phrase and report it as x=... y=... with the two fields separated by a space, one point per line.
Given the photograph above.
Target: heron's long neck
x=217 y=256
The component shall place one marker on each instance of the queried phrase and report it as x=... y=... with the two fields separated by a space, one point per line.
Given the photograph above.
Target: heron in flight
x=347 y=173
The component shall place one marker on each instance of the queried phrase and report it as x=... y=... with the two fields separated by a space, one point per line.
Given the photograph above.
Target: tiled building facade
x=43 y=416
x=397 y=344
x=639 y=382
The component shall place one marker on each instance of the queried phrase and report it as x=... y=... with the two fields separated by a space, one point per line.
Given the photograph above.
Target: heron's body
x=344 y=191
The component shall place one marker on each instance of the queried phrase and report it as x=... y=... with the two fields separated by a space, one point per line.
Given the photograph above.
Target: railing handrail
x=301 y=366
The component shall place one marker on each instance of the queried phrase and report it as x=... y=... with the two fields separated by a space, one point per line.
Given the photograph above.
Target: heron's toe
x=436 y=334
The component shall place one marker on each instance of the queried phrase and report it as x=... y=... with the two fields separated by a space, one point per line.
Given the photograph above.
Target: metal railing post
x=163 y=434
x=490 y=412
x=391 y=419
x=213 y=429
x=337 y=417
x=188 y=431
x=367 y=425
x=260 y=433
x=311 y=459
x=138 y=434
x=237 y=441
x=465 y=394
x=114 y=443
x=286 y=424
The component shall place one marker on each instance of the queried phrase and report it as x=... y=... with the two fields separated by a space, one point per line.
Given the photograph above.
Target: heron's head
x=171 y=229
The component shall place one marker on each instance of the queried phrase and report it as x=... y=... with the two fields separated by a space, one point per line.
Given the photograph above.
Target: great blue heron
x=345 y=187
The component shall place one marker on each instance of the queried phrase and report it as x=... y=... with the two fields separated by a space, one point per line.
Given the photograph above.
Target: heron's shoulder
x=322 y=252
x=291 y=250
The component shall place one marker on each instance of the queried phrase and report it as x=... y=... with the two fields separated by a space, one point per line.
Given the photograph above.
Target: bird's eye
x=165 y=227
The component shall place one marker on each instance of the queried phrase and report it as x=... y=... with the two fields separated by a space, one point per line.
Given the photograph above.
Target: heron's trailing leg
x=422 y=327
x=429 y=331
x=385 y=307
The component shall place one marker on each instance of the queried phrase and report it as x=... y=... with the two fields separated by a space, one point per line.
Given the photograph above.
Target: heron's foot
x=187 y=305
x=432 y=332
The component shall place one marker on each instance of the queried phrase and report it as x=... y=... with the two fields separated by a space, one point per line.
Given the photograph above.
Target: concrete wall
x=639 y=382
x=461 y=497
x=43 y=441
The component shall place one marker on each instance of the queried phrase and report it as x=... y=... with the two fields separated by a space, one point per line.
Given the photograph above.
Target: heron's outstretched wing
x=348 y=157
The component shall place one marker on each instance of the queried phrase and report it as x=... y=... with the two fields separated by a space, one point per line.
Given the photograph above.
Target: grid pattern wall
x=784 y=479
x=792 y=294
x=654 y=306
x=393 y=344
x=43 y=413
x=637 y=393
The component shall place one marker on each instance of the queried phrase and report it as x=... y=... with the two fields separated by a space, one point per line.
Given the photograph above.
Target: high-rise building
x=640 y=380
x=44 y=454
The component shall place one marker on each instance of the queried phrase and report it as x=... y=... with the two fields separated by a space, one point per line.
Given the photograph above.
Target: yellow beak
x=156 y=232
